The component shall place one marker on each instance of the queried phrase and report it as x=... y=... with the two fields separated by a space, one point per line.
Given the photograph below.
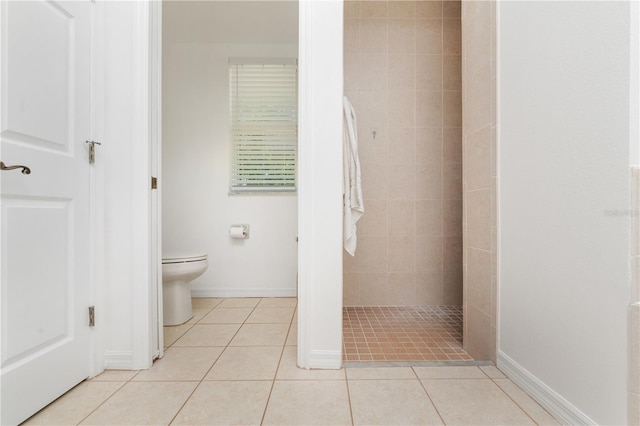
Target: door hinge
x=154 y=182
x=92 y=150
x=92 y=316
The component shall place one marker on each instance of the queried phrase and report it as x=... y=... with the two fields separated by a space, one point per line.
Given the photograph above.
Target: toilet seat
x=182 y=258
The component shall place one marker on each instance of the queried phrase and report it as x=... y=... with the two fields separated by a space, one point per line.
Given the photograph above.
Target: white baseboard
x=326 y=360
x=553 y=402
x=244 y=292
x=118 y=360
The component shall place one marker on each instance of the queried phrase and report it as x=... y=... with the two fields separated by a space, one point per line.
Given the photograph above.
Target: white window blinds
x=264 y=125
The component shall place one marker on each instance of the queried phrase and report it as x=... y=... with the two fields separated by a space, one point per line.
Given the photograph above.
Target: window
x=264 y=125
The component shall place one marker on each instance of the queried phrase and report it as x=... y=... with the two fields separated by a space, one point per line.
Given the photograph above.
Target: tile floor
x=235 y=363
x=403 y=333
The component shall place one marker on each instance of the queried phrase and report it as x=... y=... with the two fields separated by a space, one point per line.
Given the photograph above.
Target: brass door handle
x=25 y=170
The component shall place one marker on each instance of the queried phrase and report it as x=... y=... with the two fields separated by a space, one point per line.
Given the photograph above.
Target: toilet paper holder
x=239 y=231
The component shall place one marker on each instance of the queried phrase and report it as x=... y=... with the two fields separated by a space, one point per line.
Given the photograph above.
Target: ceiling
x=239 y=21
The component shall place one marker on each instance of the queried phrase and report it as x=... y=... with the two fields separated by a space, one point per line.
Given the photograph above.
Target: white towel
x=352 y=190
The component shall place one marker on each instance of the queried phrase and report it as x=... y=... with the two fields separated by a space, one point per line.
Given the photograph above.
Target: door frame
x=319 y=195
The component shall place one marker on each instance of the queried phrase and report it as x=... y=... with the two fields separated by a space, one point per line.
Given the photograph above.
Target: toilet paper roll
x=238 y=232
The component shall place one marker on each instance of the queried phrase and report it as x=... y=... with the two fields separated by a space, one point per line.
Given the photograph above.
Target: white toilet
x=177 y=270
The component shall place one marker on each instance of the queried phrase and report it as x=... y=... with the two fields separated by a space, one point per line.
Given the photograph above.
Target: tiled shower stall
x=402 y=73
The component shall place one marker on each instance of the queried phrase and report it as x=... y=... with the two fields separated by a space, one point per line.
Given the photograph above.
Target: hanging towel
x=352 y=189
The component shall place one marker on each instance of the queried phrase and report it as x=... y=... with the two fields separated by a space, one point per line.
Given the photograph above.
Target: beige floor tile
x=271 y=316
x=474 y=402
x=450 y=372
x=223 y=403
x=173 y=333
x=198 y=314
x=221 y=315
x=240 y=302
x=181 y=364
x=75 y=405
x=308 y=403
x=205 y=302
x=114 y=376
x=246 y=363
x=391 y=402
x=531 y=407
x=381 y=373
x=289 y=370
x=278 y=302
x=261 y=335
x=492 y=372
x=208 y=335
x=142 y=404
x=292 y=337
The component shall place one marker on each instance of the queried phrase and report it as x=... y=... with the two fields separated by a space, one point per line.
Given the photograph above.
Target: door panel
x=46 y=103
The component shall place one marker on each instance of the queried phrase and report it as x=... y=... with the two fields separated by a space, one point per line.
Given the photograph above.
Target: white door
x=45 y=120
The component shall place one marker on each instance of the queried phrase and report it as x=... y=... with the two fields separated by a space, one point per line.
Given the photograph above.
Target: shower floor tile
x=403 y=333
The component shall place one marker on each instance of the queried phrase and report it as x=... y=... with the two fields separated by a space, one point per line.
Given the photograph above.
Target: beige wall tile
x=479 y=283
x=402 y=108
x=479 y=335
x=429 y=36
x=374 y=289
x=452 y=287
x=429 y=217
x=452 y=175
x=374 y=223
x=402 y=9
x=428 y=109
x=374 y=180
x=452 y=72
x=477 y=114
x=428 y=288
x=402 y=218
x=452 y=254
x=429 y=72
x=402 y=145
x=350 y=264
x=373 y=9
x=478 y=159
x=373 y=35
x=401 y=254
x=402 y=72
x=402 y=36
x=401 y=182
x=429 y=182
x=429 y=9
x=452 y=108
x=402 y=285
x=634 y=348
x=634 y=409
x=429 y=254
x=351 y=36
x=373 y=73
x=351 y=9
x=351 y=72
x=351 y=289
x=478 y=33
x=451 y=9
x=429 y=146
x=479 y=220
x=451 y=37
x=452 y=218
x=452 y=145
x=373 y=254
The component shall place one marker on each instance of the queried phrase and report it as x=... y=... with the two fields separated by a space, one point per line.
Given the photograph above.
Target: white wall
x=320 y=205
x=197 y=209
x=564 y=156
x=123 y=312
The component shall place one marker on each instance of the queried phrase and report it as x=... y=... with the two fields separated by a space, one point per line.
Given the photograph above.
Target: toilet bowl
x=177 y=270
